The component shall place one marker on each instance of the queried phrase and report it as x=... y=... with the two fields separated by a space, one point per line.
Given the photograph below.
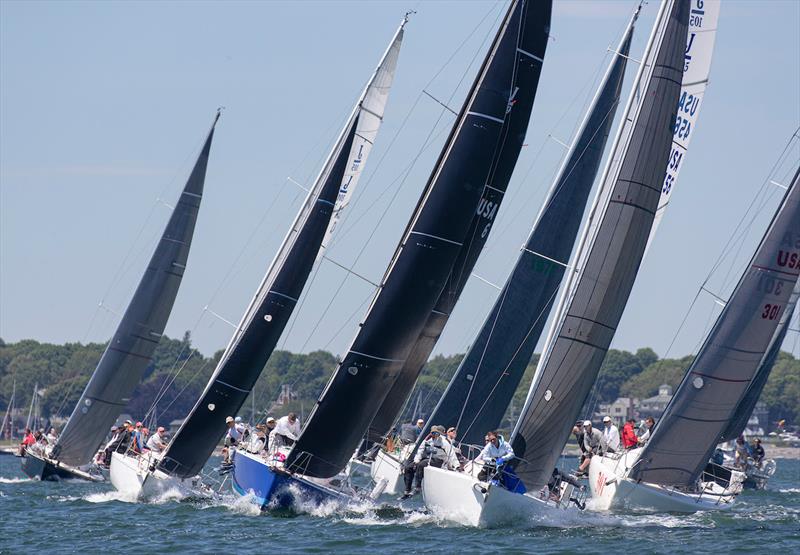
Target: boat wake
x=14 y=480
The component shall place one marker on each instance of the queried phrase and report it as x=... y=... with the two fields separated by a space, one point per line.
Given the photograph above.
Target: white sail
x=370 y=110
x=703 y=16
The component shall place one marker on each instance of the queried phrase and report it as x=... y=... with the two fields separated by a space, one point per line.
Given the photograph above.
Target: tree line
x=178 y=373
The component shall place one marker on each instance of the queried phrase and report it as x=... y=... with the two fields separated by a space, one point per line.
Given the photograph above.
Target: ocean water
x=81 y=517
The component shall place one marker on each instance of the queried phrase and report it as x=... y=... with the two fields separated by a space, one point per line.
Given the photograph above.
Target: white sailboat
x=671 y=472
x=598 y=286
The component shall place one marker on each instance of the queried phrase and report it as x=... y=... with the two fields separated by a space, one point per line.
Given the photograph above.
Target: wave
x=789 y=490
x=14 y=480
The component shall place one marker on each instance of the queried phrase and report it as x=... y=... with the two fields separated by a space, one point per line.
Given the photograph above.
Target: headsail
x=703 y=16
x=718 y=379
x=481 y=389
x=423 y=260
x=609 y=254
x=131 y=348
x=737 y=426
x=269 y=311
x=531 y=52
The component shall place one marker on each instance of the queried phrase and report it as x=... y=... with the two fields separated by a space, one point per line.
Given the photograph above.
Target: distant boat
x=274 y=302
x=592 y=302
x=130 y=350
x=670 y=472
x=419 y=272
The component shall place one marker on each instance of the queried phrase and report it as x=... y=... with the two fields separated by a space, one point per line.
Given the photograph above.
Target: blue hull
x=272 y=489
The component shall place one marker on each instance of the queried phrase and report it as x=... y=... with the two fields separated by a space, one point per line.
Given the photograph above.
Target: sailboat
x=8 y=424
x=602 y=274
x=131 y=348
x=419 y=272
x=275 y=299
x=668 y=473
x=484 y=383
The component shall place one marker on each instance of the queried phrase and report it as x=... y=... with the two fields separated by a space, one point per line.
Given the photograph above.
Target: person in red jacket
x=629 y=439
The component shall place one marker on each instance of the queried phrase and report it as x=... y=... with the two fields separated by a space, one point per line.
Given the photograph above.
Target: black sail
x=237 y=372
x=742 y=413
x=534 y=23
x=481 y=389
x=131 y=348
x=608 y=262
x=719 y=377
x=420 y=268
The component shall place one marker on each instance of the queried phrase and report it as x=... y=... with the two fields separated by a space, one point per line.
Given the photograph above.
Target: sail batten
x=131 y=348
x=422 y=263
x=277 y=296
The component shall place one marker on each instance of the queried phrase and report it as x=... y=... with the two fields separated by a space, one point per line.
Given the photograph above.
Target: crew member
x=495 y=454
x=593 y=442
x=629 y=439
x=434 y=451
x=610 y=436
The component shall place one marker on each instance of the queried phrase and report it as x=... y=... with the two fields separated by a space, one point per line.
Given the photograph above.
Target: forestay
x=481 y=389
x=130 y=350
x=703 y=16
x=718 y=379
x=275 y=300
x=609 y=256
x=420 y=267
x=530 y=55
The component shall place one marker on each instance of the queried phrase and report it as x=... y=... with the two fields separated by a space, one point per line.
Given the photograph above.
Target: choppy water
x=78 y=517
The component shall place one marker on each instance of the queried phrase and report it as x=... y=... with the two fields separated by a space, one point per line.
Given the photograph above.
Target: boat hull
x=40 y=468
x=132 y=476
x=270 y=487
x=611 y=489
x=386 y=467
x=459 y=497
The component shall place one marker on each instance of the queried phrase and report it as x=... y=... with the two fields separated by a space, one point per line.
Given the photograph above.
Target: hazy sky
x=103 y=106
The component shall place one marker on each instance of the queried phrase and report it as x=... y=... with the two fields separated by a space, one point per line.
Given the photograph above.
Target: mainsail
x=131 y=348
x=272 y=306
x=609 y=254
x=484 y=383
x=531 y=51
x=742 y=413
x=718 y=379
x=424 y=259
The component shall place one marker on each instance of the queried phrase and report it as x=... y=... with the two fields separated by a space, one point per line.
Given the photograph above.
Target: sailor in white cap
x=610 y=436
x=592 y=443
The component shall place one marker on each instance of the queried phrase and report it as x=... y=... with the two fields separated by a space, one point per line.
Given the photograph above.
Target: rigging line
x=188 y=383
x=350 y=271
x=731 y=239
x=448 y=108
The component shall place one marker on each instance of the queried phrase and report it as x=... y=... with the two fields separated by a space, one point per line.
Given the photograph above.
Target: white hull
x=611 y=489
x=132 y=477
x=460 y=497
x=388 y=467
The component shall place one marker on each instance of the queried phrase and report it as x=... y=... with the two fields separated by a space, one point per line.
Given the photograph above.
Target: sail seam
x=717 y=378
x=378 y=358
x=232 y=386
x=530 y=55
x=195 y=195
x=282 y=295
x=634 y=205
x=553 y=260
x=767 y=268
x=436 y=237
x=486 y=116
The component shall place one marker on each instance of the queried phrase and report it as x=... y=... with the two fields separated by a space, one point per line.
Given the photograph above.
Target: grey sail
x=607 y=263
x=130 y=350
x=422 y=262
x=719 y=378
x=484 y=383
x=742 y=413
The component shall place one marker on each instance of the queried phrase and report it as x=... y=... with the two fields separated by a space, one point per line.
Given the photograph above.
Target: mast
x=485 y=382
x=529 y=61
x=275 y=299
x=7 y=416
x=423 y=260
x=130 y=350
x=719 y=377
x=30 y=409
x=609 y=254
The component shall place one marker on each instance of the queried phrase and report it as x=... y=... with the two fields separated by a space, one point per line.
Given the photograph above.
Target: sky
x=104 y=106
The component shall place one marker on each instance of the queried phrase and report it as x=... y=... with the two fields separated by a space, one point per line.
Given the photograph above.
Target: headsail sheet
x=276 y=298
x=531 y=52
x=481 y=389
x=742 y=413
x=131 y=348
x=718 y=379
x=421 y=265
x=608 y=262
